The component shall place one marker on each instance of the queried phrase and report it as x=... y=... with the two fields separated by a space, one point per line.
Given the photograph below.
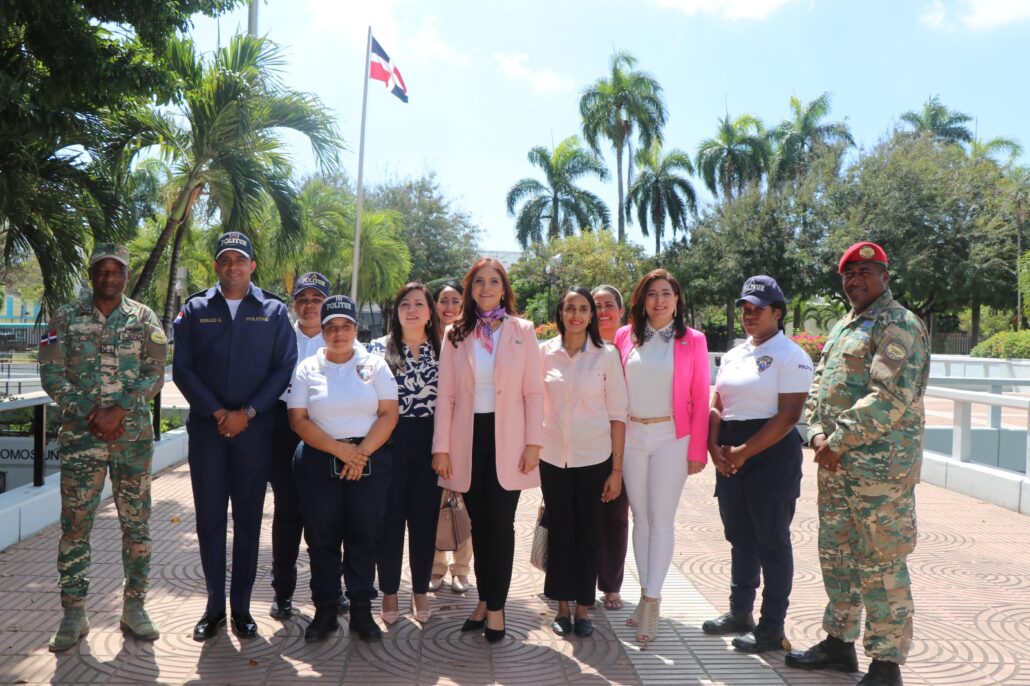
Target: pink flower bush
x=813 y=345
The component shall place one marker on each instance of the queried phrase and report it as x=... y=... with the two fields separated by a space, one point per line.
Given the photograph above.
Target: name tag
x=257 y=319
x=107 y=349
x=132 y=336
x=210 y=320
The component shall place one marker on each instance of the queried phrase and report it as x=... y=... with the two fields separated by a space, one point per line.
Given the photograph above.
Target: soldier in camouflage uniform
x=865 y=417
x=102 y=361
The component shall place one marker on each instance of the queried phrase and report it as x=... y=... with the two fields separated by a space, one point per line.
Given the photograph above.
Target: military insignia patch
x=159 y=337
x=866 y=252
x=895 y=351
x=764 y=362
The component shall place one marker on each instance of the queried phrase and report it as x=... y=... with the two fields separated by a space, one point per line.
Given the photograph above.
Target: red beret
x=862 y=252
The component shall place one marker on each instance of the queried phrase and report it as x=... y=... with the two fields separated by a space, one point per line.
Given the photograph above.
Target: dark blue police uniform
x=231 y=363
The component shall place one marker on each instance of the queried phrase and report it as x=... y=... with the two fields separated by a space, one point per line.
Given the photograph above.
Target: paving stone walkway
x=971 y=574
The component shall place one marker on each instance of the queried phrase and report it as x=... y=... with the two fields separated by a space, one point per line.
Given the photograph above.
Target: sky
x=488 y=81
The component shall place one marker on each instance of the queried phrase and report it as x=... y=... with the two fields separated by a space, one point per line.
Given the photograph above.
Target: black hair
x=593 y=329
x=395 y=358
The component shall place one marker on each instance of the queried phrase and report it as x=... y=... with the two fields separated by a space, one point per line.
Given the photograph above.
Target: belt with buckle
x=353 y=441
x=650 y=420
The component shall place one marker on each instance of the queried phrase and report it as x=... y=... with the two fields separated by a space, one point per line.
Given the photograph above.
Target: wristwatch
x=249 y=411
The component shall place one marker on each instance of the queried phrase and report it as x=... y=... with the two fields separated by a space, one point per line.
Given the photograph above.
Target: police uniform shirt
x=306 y=347
x=342 y=399
x=751 y=377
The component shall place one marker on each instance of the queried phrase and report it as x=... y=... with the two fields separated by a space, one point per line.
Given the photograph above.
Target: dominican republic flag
x=48 y=338
x=381 y=69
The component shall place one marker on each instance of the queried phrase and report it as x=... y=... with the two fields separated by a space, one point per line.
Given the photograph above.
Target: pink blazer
x=519 y=413
x=691 y=391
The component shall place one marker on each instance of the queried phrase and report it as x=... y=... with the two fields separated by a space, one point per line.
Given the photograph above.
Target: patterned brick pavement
x=971 y=573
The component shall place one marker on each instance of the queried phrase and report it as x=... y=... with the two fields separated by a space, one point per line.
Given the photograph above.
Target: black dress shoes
x=243 y=625
x=282 y=608
x=494 y=635
x=831 y=653
x=473 y=625
x=584 y=627
x=761 y=640
x=361 y=623
x=882 y=673
x=729 y=623
x=208 y=625
x=562 y=625
x=322 y=625
x=343 y=605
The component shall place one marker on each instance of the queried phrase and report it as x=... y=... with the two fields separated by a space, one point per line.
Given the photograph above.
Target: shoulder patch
x=895 y=350
x=159 y=337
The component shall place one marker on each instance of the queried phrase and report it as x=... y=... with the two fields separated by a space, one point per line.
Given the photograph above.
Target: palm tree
x=558 y=206
x=629 y=101
x=738 y=155
x=980 y=149
x=660 y=192
x=946 y=126
x=224 y=140
x=799 y=137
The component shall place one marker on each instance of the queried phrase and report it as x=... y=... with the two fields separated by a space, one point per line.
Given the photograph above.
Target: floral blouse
x=416 y=382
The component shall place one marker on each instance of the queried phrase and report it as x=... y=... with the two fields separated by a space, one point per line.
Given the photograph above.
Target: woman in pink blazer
x=489 y=428
x=666 y=367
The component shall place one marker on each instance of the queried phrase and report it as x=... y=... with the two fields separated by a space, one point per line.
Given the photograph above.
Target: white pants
x=654 y=472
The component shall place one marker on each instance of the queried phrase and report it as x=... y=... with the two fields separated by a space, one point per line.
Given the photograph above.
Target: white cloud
x=935 y=16
x=350 y=21
x=989 y=14
x=428 y=44
x=727 y=9
x=515 y=66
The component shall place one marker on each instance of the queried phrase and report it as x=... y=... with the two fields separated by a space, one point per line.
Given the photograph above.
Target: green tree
x=558 y=206
x=737 y=156
x=67 y=65
x=442 y=240
x=1007 y=147
x=628 y=102
x=660 y=192
x=937 y=121
x=225 y=140
x=800 y=138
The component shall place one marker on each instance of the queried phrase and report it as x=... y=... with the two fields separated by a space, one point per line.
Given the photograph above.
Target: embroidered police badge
x=764 y=362
x=364 y=372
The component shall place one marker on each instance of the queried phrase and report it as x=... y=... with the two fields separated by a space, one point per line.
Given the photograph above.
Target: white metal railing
x=962 y=432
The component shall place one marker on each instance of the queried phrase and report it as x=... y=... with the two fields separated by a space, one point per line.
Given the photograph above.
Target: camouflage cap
x=112 y=251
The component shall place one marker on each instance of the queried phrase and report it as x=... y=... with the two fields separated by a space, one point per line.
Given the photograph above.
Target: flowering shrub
x=546 y=330
x=813 y=345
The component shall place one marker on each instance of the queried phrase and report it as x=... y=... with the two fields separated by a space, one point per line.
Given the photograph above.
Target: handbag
x=453 y=527
x=538 y=553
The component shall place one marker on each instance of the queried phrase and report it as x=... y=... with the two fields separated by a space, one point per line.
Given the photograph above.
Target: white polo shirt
x=306 y=347
x=342 y=399
x=751 y=378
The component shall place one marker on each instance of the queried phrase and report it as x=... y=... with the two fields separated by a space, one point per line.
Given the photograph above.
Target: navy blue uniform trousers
x=412 y=502
x=224 y=470
x=341 y=512
x=757 y=507
x=287 y=526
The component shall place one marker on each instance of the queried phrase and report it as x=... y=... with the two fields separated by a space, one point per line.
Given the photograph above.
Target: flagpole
x=361 y=167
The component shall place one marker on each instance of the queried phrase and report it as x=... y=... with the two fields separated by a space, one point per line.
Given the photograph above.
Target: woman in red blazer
x=489 y=428
x=666 y=367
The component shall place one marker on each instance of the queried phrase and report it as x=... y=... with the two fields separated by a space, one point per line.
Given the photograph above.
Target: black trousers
x=224 y=470
x=412 y=502
x=340 y=512
x=572 y=497
x=757 y=507
x=492 y=511
x=614 y=540
x=287 y=526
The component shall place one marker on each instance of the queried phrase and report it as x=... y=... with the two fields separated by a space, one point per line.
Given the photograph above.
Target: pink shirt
x=582 y=396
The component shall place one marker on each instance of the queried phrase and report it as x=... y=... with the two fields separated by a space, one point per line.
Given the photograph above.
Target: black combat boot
x=729 y=623
x=761 y=640
x=323 y=624
x=882 y=673
x=361 y=623
x=831 y=653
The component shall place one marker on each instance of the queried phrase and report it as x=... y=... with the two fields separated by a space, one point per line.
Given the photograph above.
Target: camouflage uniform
x=88 y=361
x=867 y=398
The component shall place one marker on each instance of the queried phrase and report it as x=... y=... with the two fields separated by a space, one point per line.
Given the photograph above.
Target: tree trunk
x=799 y=325
x=553 y=227
x=173 y=267
x=621 y=208
x=730 y=312
x=179 y=213
x=657 y=224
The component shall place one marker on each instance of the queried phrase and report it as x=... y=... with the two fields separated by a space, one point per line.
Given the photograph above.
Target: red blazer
x=691 y=391
x=519 y=413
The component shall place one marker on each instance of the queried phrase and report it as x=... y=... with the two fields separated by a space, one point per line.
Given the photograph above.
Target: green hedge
x=1005 y=345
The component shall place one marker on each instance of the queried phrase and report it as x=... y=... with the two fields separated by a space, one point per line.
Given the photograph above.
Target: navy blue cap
x=339 y=306
x=234 y=240
x=311 y=280
x=761 y=291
